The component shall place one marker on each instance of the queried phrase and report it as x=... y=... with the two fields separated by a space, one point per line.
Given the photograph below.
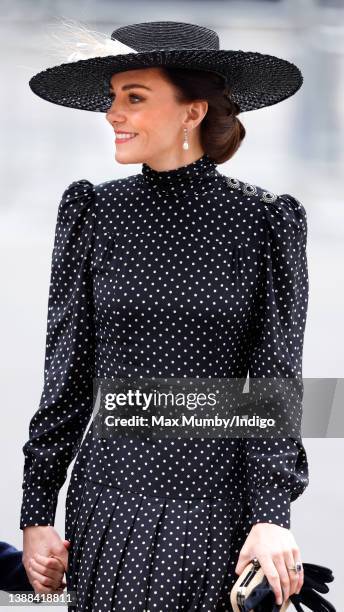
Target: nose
x=114 y=115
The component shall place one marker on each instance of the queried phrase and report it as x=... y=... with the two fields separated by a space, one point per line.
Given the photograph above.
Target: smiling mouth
x=124 y=137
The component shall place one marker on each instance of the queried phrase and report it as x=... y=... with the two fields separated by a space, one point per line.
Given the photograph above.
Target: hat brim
x=255 y=80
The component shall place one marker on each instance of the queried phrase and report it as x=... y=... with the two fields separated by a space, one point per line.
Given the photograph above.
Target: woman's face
x=143 y=103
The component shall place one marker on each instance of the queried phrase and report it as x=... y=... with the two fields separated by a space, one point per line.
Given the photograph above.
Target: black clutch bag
x=253 y=593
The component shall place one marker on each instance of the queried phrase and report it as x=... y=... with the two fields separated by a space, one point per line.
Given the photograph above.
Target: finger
x=66 y=543
x=301 y=575
x=63 y=558
x=243 y=561
x=55 y=574
x=52 y=563
x=272 y=575
x=284 y=575
x=44 y=580
x=40 y=588
x=293 y=576
x=63 y=561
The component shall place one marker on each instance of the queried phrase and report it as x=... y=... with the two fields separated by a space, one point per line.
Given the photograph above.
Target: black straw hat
x=254 y=80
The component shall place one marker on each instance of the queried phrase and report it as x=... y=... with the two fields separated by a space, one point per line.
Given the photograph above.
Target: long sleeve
x=66 y=402
x=277 y=468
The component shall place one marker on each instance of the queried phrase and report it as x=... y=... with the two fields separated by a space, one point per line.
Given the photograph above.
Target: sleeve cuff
x=38 y=507
x=271 y=505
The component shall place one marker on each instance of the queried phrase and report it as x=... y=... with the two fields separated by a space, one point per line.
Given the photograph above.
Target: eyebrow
x=131 y=85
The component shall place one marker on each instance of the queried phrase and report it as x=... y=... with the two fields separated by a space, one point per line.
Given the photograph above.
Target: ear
x=196 y=112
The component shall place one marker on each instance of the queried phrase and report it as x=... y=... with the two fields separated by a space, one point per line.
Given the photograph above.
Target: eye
x=112 y=96
x=135 y=96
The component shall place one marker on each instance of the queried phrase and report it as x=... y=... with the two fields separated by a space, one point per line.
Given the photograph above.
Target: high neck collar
x=180 y=180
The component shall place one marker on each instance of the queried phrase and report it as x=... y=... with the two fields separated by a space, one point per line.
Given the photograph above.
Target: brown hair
x=221 y=132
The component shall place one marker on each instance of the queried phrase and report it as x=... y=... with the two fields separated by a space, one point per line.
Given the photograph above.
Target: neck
x=174 y=159
x=198 y=176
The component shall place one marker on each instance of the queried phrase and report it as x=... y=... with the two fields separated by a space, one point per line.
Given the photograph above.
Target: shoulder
x=83 y=197
x=115 y=187
x=75 y=218
x=77 y=197
x=82 y=211
x=275 y=210
x=82 y=191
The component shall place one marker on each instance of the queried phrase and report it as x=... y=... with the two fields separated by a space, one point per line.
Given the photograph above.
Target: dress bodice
x=178 y=273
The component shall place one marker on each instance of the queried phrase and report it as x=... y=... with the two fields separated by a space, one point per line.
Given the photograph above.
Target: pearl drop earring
x=185 y=143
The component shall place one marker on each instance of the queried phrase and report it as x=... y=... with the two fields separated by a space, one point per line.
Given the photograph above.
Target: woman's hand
x=45 y=558
x=275 y=549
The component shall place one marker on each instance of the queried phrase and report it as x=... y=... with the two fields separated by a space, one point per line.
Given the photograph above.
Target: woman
x=177 y=271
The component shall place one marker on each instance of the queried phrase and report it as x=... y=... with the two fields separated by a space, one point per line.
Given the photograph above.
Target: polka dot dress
x=179 y=273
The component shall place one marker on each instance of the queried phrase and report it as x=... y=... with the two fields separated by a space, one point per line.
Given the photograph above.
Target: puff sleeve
x=277 y=468
x=66 y=402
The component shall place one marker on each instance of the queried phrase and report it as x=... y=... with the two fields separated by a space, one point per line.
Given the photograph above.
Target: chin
x=127 y=158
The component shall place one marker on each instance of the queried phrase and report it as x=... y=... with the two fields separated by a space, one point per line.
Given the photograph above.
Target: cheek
x=163 y=121
x=157 y=120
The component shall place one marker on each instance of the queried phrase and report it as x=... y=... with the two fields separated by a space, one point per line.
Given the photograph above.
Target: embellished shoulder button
x=248 y=189
x=233 y=182
x=268 y=196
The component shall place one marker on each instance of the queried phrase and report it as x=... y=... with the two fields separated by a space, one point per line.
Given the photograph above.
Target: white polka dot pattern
x=175 y=273
x=66 y=400
x=278 y=468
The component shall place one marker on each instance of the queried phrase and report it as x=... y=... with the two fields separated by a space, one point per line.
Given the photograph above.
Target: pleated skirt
x=132 y=552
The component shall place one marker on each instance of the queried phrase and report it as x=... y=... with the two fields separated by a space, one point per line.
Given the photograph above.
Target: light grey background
x=293 y=147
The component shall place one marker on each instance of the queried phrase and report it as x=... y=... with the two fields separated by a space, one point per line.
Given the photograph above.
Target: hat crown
x=166 y=35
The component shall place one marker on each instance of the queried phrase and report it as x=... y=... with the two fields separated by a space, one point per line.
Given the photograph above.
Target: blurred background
x=293 y=147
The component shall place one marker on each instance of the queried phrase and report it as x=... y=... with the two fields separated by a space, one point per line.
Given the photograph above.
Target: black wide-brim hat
x=254 y=80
